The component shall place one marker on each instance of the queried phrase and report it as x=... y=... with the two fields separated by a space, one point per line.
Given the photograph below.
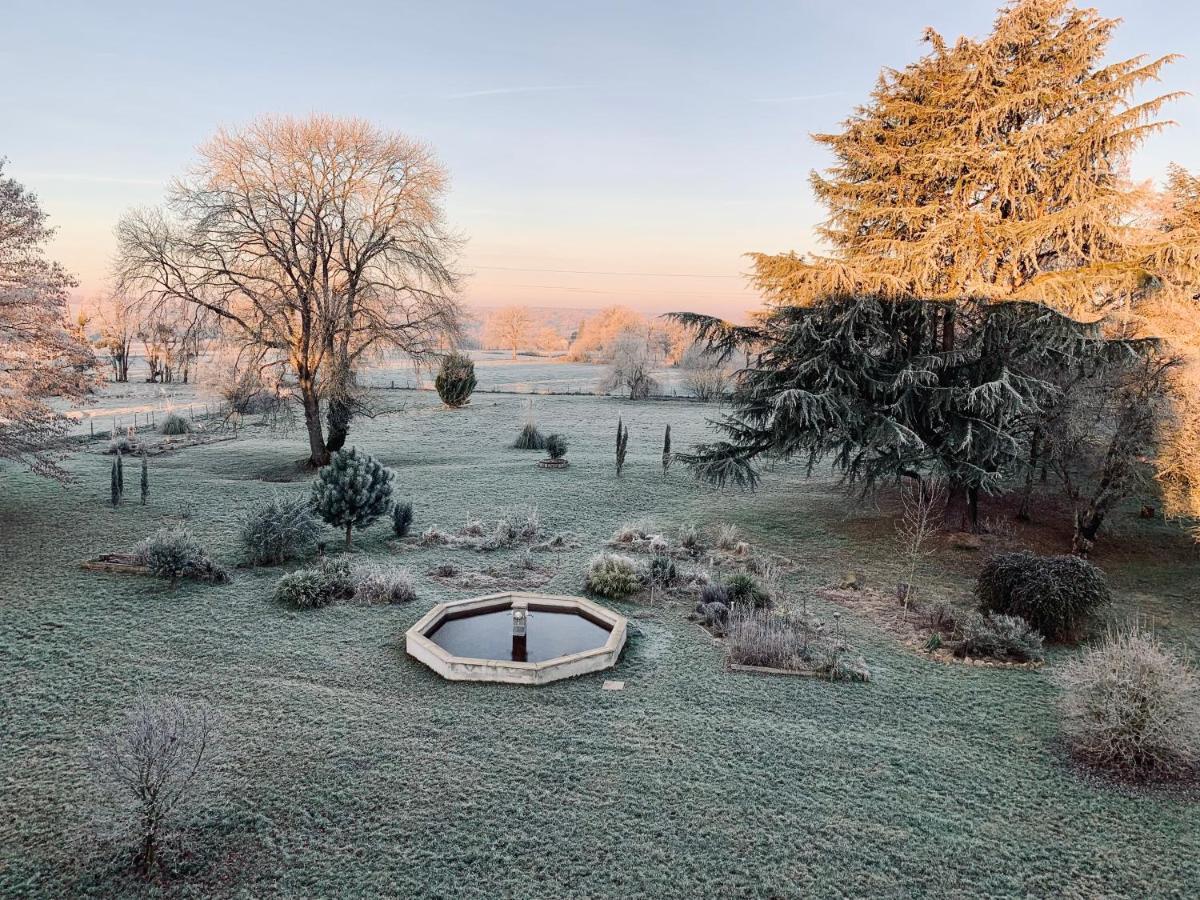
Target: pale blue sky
x=619 y=137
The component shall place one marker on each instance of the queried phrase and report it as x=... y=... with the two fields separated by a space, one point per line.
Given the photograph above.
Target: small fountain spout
x=520 y=615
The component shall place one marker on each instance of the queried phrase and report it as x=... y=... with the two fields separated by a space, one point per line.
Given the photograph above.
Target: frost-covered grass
x=353 y=770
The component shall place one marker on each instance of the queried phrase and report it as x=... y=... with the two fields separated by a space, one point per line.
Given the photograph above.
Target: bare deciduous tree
x=631 y=367
x=319 y=240
x=510 y=328
x=118 y=320
x=41 y=355
x=921 y=504
x=150 y=770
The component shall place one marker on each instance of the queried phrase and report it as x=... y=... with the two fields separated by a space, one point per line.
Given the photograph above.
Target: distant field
x=354 y=771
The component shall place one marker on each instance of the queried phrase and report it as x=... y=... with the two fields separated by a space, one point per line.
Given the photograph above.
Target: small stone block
x=614 y=686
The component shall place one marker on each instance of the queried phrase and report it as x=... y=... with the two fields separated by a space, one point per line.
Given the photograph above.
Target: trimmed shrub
x=612 y=575
x=1000 y=637
x=278 y=529
x=529 y=438
x=352 y=491
x=174 y=424
x=1132 y=708
x=380 y=584
x=455 y=381
x=402 y=517
x=315 y=586
x=1057 y=595
x=743 y=589
x=174 y=554
x=556 y=446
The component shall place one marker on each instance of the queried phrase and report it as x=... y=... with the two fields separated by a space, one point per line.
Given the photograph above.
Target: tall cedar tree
x=992 y=171
x=865 y=383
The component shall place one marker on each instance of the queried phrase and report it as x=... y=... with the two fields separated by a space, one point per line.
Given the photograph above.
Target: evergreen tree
x=666 y=456
x=622 y=444
x=353 y=490
x=120 y=476
x=991 y=168
x=145 y=480
x=114 y=486
x=455 y=381
x=866 y=384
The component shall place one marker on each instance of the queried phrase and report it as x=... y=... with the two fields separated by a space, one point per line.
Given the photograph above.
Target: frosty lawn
x=352 y=769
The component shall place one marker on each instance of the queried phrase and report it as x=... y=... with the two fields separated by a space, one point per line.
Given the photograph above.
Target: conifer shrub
x=1056 y=595
x=278 y=529
x=352 y=491
x=316 y=586
x=1000 y=637
x=743 y=589
x=613 y=575
x=556 y=446
x=1132 y=708
x=174 y=424
x=402 y=517
x=175 y=554
x=455 y=381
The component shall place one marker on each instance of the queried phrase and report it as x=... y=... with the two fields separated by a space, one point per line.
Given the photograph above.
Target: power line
x=588 y=272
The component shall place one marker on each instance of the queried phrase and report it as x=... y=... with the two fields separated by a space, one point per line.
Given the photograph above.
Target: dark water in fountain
x=488 y=635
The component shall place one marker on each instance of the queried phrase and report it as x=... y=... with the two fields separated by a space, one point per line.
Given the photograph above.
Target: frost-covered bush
x=629 y=533
x=402 y=517
x=713 y=615
x=838 y=664
x=278 y=529
x=352 y=491
x=455 y=380
x=743 y=589
x=727 y=537
x=714 y=592
x=174 y=424
x=766 y=639
x=175 y=554
x=529 y=438
x=1132 y=707
x=383 y=584
x=612 y=575
x=433 y=536
x=316 y=586
x=1057 y=595
x=689 y=538
x=1000 y=637
x=556 y=446
x=663 y=571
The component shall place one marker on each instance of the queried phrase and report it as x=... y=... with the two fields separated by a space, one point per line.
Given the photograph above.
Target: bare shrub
x=631 y=367
x=921 y=503
x=706 y=384
x=151 y=770
x=1132 y=707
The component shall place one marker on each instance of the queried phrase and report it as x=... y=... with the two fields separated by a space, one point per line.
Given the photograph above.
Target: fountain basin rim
x=420 y=646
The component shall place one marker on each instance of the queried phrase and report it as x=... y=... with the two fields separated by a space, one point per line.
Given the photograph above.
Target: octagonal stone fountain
x=517 y=637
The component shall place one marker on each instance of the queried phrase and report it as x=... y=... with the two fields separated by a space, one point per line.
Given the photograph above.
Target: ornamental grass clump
x=613 y=575
x=745 y=590
x=277 y=529
x=383 y=584
x=1131 y=707
x=1056 y=595
x=352 y=491
x=174 y=424
x=316 y=586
